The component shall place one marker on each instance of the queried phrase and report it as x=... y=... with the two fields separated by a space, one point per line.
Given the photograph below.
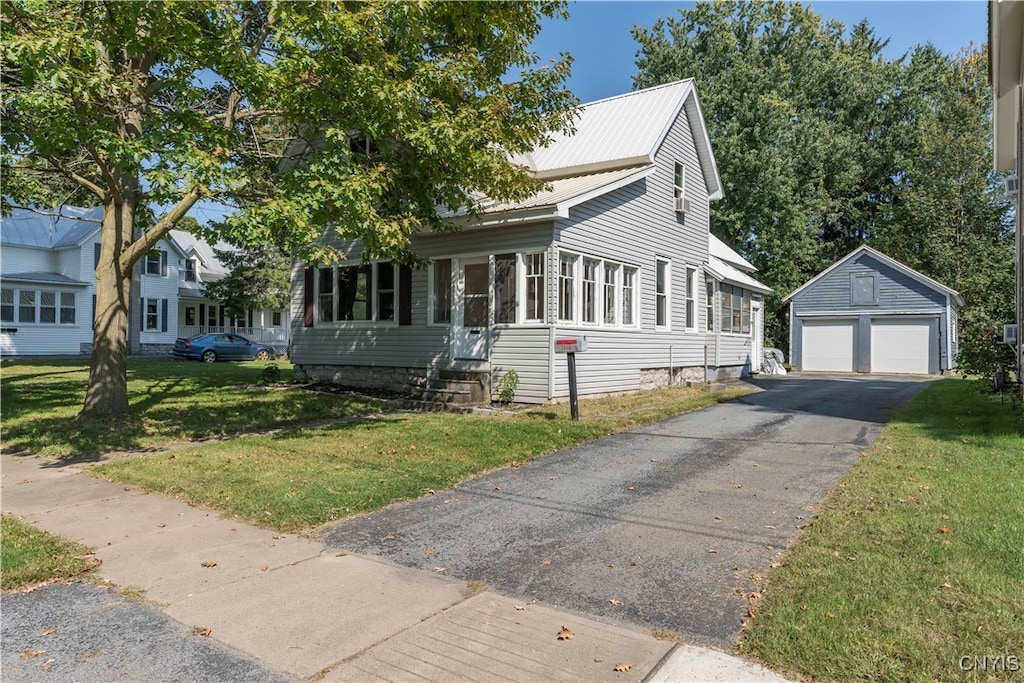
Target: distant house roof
x=59 y=228
x=190 y=244
x=47 y=278
x=889 y=261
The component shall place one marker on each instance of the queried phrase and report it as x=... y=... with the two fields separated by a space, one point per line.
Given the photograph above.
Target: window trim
x=58 y=307
x=373 y=295
x=691 y=298
x=666 y=295
x=523 y=278
x=432 y=293
x=745 y=301
x=679 y=180
x=622 y=293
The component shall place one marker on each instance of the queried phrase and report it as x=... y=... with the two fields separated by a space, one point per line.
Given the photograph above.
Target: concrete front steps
x=455 y=387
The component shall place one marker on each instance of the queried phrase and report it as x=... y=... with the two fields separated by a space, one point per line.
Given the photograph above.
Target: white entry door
x=471 y=310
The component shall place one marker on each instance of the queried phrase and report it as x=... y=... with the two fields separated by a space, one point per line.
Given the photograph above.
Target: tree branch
x=161 y=227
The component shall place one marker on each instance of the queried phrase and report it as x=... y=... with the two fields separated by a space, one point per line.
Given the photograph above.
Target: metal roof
x=724 y=252
x=65 y=226
x=50 y=278
x=186 y=242
x=721 y=270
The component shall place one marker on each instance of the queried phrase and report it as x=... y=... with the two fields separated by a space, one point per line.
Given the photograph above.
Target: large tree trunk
x=107 y=395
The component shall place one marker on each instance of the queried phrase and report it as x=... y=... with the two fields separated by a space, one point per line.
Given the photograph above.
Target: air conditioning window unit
x=1010 y=334
x=682 y=205
x=1012 y=187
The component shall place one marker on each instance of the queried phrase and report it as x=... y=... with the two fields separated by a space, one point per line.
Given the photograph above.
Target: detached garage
x=871 y=313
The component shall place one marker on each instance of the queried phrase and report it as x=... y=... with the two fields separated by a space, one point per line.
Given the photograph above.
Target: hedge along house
x=614 y=249
x=870 y=313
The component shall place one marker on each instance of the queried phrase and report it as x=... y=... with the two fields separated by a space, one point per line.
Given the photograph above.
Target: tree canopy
x=365 y=116
x=823 y=144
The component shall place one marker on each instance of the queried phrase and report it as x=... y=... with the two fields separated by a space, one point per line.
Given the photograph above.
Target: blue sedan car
x=213 y=347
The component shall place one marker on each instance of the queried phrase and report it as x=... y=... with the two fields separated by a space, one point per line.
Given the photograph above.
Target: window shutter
x=94 y=311
x=163 y=263
x=250 y=319
x=404 y=295
x=308 y=297
x=163 y=315
x=142 y=315
x=96 y=255
x=202 y=315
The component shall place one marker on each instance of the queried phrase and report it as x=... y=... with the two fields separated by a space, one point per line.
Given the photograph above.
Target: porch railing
x=261 y=335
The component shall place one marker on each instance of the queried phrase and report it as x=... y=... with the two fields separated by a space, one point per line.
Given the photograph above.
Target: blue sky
x=597 y=33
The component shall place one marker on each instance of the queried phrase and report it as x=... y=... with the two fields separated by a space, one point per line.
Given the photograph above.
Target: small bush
x=270 y=375
x=507 y=386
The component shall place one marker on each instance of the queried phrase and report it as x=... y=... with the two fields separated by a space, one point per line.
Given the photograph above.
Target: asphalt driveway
x=669 y=527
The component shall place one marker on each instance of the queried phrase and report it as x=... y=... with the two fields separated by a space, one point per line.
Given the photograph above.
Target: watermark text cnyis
x=990 y=663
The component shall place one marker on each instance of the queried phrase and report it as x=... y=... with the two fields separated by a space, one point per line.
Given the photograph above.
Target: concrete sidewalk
x=314 y=614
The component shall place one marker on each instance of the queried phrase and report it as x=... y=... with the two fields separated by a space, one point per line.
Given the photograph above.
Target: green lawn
x=301 y=479
x=172 y=401
x=917 y=558
x=29 y=556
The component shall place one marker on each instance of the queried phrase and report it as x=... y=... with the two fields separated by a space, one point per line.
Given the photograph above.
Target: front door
x=471 y=310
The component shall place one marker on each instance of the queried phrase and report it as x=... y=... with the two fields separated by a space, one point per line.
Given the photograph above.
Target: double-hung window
x=591 y=268
x=567 y=287
x=365 y=292
x=691 y=298
x=441 y=291
x=155 y=262
x=662 y=293
x=534 y=298
x=43 y=306
x=152 y=316
x=505 y=300
x=709 y=286
x=629 y=296
x=735 y=309
x=611 y=293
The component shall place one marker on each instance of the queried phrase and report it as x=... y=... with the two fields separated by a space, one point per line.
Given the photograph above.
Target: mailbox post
x=569 y=346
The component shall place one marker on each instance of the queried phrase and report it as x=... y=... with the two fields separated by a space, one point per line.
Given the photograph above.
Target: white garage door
x=903 y=346
x=828 y=345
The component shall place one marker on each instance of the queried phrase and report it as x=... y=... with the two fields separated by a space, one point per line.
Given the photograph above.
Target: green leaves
x=824 y=144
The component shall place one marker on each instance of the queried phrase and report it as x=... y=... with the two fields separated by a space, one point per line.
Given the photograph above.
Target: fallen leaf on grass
x=775 y=565
x=198 y=631
x=565 y=634
x=623 y=666
x=712 y=550
x=27 y=654
x=208 y=564
x=520 y=608
x=389 y=537
x=610 y=565
x=615 y=603
x=429 y=553
x=49 y=632
x=440 y=569
x=161 y=525
x=944 y=529
x=47 y=664
x=546 y=562
x=946 y=585
x=431 y=492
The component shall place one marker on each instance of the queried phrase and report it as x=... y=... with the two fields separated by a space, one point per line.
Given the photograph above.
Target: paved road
x=667 y=527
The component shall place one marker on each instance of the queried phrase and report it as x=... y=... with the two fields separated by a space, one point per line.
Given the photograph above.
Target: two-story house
x=47 y=287
x=615 y=248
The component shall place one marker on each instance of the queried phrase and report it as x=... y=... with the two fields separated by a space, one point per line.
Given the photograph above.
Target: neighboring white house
x=615 y=250
x=1006 y=60
x=47 y=286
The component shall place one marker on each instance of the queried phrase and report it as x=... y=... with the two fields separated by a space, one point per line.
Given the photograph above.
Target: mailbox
x=570 y=344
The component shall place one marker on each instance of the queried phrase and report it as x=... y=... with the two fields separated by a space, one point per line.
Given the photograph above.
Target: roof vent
x=1012 y=187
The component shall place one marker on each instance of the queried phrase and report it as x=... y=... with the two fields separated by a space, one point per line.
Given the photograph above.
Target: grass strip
x=29 y=556
x=172 y=401
x=302 y=479
x=914 y=570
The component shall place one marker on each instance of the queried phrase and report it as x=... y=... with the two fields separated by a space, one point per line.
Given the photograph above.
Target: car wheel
x=209 y=356
x=262 y=354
